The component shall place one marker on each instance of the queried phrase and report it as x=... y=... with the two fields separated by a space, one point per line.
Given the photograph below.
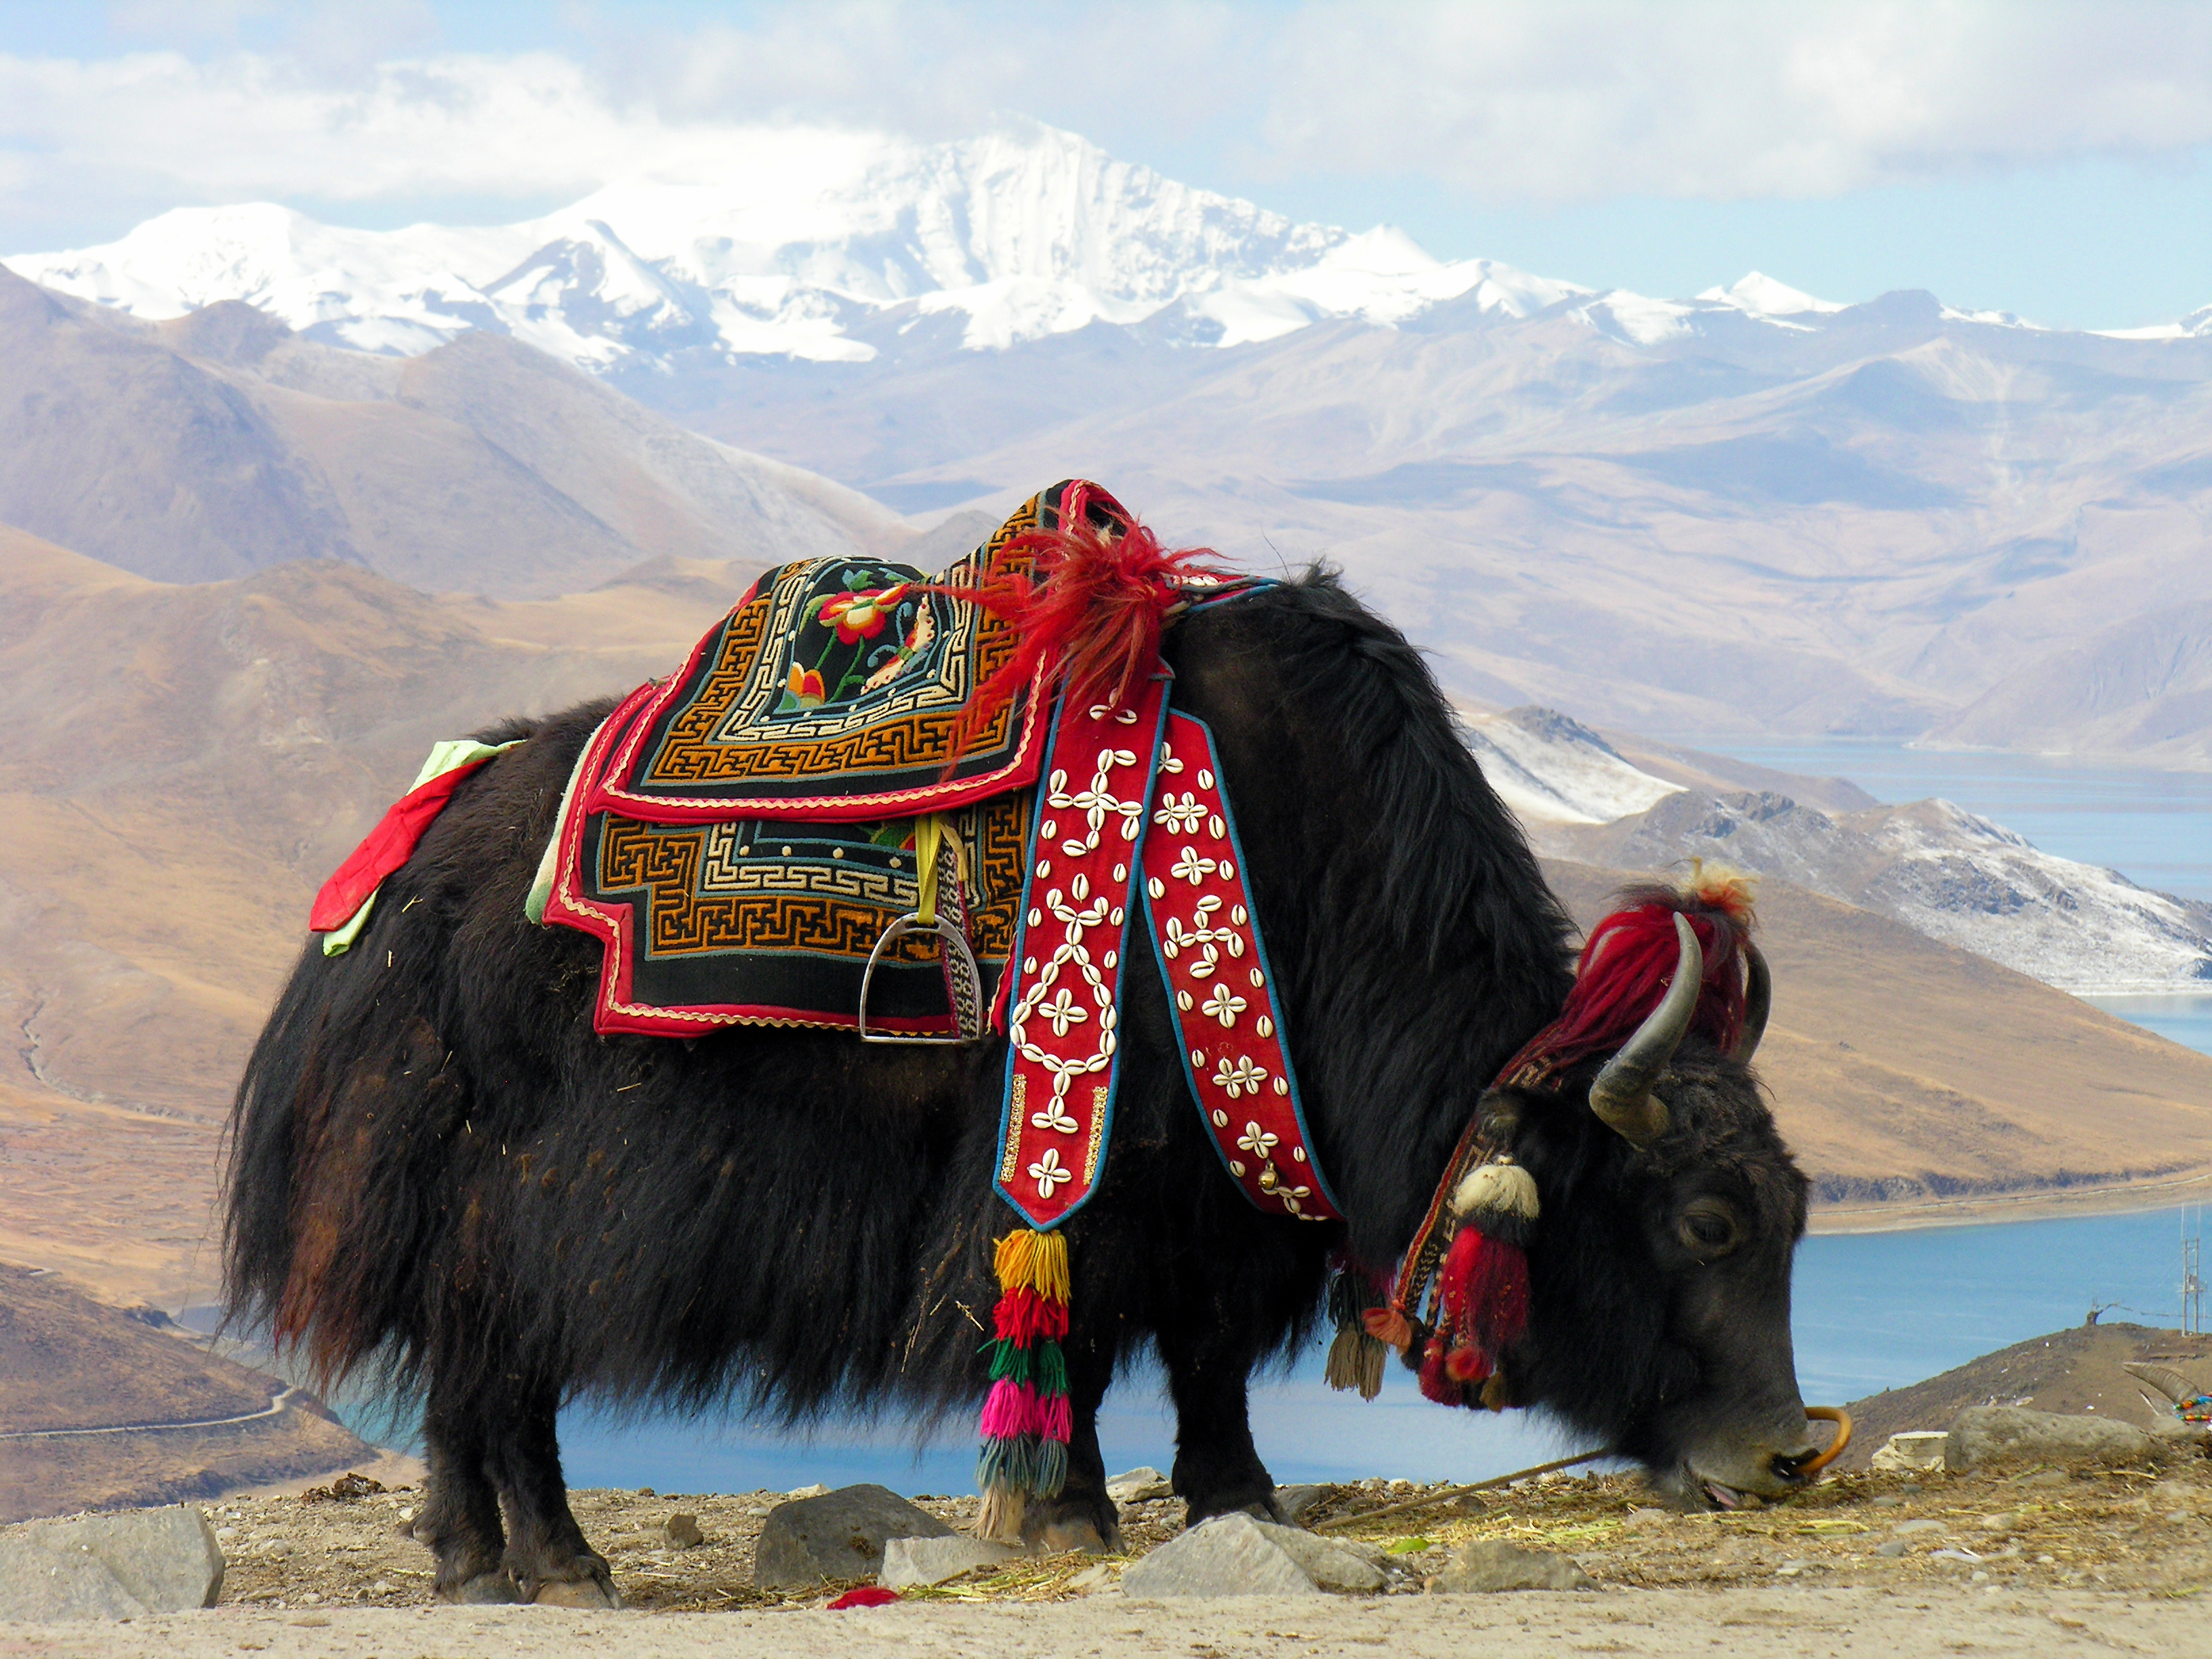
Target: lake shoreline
x=2036 y=1204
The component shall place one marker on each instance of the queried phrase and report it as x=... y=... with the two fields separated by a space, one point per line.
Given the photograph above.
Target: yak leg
x=1216 y=1467
x=1081 y=1517
x=459 y=1520
x=547 y=1556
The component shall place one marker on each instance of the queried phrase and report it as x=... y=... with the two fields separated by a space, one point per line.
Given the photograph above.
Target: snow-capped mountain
x=809 y=241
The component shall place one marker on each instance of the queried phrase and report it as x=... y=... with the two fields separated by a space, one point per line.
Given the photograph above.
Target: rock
x=682 y=1531
x=1916 y=1449
x=1986 y=1436
x=110 y=1566
x=1091 y=1578
x=1295 y=1503
x=817 y=1490
x=1908 y=1528
x=1334 y=1564
x=1139 y=1486
x=911 y=1561
x=1228 y=1555
x=1492 y=1563
x=836 y=1536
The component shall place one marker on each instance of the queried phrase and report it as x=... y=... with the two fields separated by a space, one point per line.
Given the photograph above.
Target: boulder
x=1916 y=1449
x=1228 y=1555
x=1492 y=1563
x=1139 y=1484
x=1988 y=1436
x=110 y=1566
x=1334 y=1563
x=837 y=1536
x=911 y=1561
x=1295 y=1503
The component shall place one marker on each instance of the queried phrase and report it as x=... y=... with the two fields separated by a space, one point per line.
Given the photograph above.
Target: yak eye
x=1709 y=1229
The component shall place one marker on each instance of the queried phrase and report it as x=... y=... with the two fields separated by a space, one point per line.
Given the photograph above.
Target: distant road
x=275 y=1405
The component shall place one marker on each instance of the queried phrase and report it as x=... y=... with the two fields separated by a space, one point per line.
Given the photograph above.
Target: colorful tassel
x=1499 y=1198
x=1028 y=1419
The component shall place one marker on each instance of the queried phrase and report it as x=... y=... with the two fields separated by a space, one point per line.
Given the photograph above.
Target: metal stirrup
x=967 y=994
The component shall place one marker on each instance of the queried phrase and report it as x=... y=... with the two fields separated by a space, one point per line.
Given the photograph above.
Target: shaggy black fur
x=440 y=1173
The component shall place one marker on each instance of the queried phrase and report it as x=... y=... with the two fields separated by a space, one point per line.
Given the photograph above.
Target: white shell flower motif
x=1225 y=1005
x=1062 y=1012
x=1048 y=1174
x=1191 y=867
x=1234 y=1080
x=1181 y=816
x=1257 y=1140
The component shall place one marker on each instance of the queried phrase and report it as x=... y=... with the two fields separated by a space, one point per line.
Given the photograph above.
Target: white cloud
x=1572 y=100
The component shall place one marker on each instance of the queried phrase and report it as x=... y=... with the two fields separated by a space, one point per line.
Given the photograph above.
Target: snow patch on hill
x=1934 y=866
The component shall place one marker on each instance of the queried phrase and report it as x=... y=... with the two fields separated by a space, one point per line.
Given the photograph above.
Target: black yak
x=443 y=1179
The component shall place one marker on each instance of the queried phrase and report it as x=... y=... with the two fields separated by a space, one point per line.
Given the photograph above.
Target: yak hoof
x=485 y=1589
x=579 y=1592
x=1075 y=1533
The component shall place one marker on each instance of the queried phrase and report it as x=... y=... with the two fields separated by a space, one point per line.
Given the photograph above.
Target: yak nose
x=1797 y=1467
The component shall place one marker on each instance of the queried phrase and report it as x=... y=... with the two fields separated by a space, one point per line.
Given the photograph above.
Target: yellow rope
x=928 y=832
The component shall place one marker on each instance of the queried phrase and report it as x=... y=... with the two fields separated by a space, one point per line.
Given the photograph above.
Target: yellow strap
x=928 y=832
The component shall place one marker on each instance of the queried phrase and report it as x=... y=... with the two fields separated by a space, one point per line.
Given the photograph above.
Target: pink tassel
x=1009 y=1410
x=1056 y=1419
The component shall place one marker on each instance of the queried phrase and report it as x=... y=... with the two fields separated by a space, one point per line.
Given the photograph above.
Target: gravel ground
x=2034 y=1562
x=1851 y=1623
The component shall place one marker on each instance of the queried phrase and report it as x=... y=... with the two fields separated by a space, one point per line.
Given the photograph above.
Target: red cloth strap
x=384 y=848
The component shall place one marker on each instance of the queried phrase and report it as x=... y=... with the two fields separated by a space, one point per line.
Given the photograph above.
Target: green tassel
x=1051 y=1468
x=1051 y=1368
x=1010 y=1363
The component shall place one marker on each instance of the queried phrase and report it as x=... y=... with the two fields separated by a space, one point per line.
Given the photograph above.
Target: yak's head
x=1659 y=1264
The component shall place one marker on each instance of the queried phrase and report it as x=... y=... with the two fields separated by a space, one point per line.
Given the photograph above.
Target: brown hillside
x=169 y=1412
x=2076 y=1370
x=221 y=444
x=1911 y=1077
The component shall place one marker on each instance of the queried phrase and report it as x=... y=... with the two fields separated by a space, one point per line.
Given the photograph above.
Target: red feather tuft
x=1091 y=616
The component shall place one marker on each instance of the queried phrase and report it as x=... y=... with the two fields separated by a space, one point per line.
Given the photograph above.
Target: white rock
x=1139 y=1484
x=817 y=1490
x=110 y=1566
x=1988 y=1436
x=911 y=1561
x=1915 y=1449
x=1333 y=1564
x=1228 y=1555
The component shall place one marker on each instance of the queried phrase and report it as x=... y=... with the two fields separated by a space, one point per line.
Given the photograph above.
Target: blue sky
x=2045 y=158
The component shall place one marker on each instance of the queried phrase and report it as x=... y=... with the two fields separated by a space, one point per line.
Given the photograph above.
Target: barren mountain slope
x=219 y=444
x=179 y=768
x=1906 y=1072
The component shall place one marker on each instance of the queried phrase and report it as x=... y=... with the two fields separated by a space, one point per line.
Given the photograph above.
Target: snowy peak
x=796 y=239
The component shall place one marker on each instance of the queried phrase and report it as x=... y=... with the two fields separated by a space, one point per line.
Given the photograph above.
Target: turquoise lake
x=1871 y=1310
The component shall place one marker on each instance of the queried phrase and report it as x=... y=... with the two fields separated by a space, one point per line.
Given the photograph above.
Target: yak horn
x=1757 y=1002
x=1622 y=1094
x=2173 y=1384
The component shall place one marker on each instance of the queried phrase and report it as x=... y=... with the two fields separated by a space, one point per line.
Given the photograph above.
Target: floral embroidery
x=861 y=615
x=804 y=687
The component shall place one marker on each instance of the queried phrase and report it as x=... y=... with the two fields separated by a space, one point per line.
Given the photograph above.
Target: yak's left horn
x=1758 y=1002
x=1622 y=1095
x=2173 y=1384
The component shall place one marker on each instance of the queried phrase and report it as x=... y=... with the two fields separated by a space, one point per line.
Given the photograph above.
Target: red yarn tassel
x=1435 y=1383
x=1485 y=1284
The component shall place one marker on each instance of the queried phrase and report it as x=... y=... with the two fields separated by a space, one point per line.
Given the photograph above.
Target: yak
x=442 y=1179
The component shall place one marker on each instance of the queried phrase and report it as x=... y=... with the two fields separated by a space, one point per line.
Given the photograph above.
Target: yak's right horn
x=1758 y=1002
x=2171 y=1384
x=1622 y=1095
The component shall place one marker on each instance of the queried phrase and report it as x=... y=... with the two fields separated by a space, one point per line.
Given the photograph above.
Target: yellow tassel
x=1031 y=1260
